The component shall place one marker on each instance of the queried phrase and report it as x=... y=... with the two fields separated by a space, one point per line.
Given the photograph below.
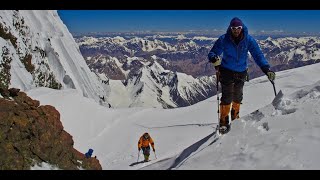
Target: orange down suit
x=145 y=142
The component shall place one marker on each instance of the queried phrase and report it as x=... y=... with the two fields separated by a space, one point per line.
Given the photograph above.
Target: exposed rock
x=31 y=134
x=13 y=92
x=4 y=92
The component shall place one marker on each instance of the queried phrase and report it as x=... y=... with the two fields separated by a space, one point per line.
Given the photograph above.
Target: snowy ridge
x=153 y=86
x=45 y=54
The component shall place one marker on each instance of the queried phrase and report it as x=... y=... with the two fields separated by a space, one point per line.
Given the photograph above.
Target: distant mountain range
x=129 y=58
x=208 y=33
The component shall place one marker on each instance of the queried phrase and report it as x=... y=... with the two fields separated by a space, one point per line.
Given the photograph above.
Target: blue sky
x=179 y=20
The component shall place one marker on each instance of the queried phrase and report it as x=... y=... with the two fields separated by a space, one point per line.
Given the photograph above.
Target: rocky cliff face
x=31 y=134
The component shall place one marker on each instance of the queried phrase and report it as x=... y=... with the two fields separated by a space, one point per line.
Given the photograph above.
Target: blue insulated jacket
x=235 y=56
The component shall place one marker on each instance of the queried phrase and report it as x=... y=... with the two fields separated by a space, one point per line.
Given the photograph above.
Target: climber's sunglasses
x=236 y=28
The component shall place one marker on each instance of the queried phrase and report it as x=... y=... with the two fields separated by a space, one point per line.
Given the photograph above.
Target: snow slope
x=285 y=136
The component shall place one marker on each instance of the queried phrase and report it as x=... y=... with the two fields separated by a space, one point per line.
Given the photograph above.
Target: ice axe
x=278 y=96
x=274 y=88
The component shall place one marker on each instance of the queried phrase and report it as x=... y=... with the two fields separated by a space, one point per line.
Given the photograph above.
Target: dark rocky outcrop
x=31 y=134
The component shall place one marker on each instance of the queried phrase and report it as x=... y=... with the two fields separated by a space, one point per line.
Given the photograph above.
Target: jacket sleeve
x=257 y=54
x=217 y=48
x=152 y=143
x=140 y=143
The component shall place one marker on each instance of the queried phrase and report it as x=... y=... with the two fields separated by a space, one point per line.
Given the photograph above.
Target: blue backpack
x=89 y=153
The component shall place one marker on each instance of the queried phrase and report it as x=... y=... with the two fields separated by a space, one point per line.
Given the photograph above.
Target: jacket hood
x=244 y=30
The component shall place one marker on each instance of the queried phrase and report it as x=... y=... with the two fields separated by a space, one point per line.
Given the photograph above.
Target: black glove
x=271 y=75
x=139 y=149
x=215 y=60
x=154 y=150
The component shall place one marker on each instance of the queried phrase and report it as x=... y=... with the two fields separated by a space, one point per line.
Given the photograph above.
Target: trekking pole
x=217 y=84
x=138 y=156
x=155 y=154
x=274 y=88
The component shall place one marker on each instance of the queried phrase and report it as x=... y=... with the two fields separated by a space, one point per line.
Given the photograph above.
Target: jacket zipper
x=237 y=49
x=237 y=46
x=237 y=60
